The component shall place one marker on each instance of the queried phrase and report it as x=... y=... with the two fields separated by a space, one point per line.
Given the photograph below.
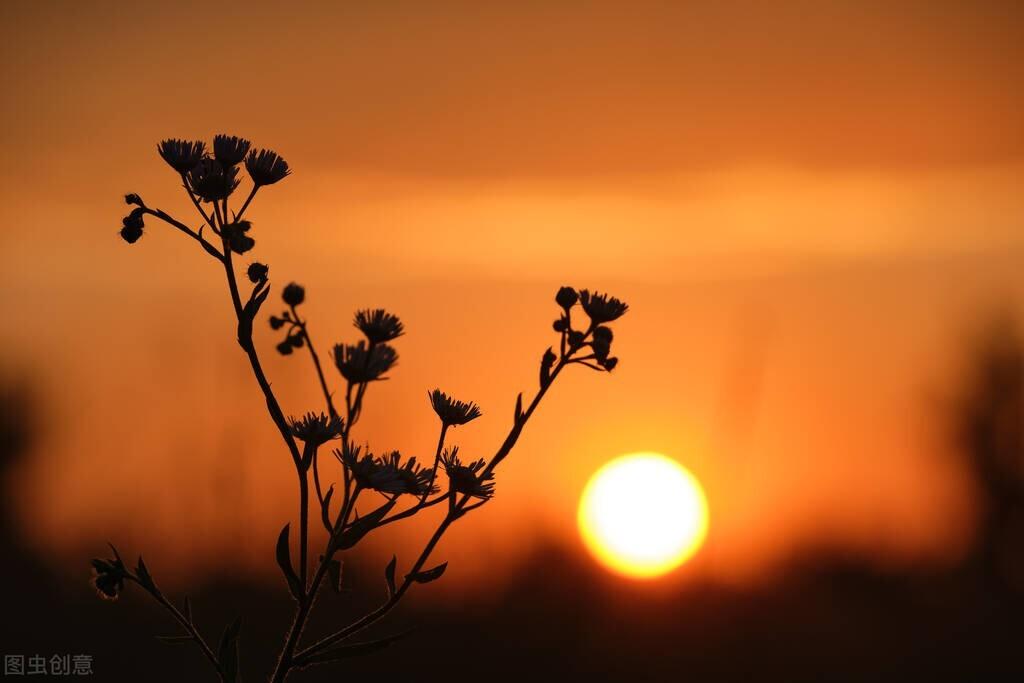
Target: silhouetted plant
x=210 y=183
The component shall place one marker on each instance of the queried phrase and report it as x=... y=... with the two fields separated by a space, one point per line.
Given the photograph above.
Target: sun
x=642 y=515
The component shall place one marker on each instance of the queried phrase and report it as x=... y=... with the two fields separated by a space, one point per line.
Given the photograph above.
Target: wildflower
x=566 y=297
x=467 y=478
x=316 y=429
x=109 y=578
x=452 y=412
x=132 y=199
x=415 y=480
x=258 y=272
x=601 y=308
x=182 y=155
x=370 y=472
x=230 y=150
x=276 y=323
x=358 y=363
x=265 y=167
x=212 y=181
x=294 y=294
x=237 y=237
x=378 y=325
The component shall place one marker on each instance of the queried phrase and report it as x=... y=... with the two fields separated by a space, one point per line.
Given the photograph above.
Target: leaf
x=428 y=575
x=145 y=578
x=362 y=526
x=284 y=561
x=227 y=655
x=389 y=575
x=545 y=367
x=188 y=609
x=174 y=640
x=519 y=407
x=325 y=509
x=353 y=650
x=334 y=571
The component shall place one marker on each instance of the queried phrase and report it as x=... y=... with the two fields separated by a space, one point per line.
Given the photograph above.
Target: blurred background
x=813 y=210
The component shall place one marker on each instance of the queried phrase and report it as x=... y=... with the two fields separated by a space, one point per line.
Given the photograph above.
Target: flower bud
x=566 y=297
x=258 y=272
x=293 y=294
x=284 y=348
x=276 y=323
x=131 y=234
x=561 y=325
x=133 y=199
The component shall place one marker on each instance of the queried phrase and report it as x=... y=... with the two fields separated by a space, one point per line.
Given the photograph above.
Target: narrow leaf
x=284 y=561
x=325 y=509
x=228 y=653
x=428 y=575
x=174 y=640
x=362 y=526
x=519 y=407
x=389 y=575
x=334 y=571
x=353 y=650
x=145 y=578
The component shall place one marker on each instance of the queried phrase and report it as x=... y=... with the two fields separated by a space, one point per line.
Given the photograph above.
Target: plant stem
x=187 y=625
x=454 y=513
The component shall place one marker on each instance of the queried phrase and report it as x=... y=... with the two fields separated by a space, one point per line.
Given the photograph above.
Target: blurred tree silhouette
x=990 y=433
x=210 y=181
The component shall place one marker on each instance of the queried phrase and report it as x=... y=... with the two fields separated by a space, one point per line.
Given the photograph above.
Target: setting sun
x=643 y=515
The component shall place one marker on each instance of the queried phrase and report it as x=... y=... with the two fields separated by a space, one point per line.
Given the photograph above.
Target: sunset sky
x=810 y=207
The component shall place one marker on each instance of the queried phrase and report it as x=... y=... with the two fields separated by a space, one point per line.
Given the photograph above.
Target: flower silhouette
x=359 y=363
x=378 y=325
x=182 y=155
x=452 y=412
x=467 y=478
x=266 y=167
x=229 y=149
x=211 y=181
x=601 y=308
x=316 y=429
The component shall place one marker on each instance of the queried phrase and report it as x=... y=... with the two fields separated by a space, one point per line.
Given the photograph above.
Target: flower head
x=211 y=180
x=415 y=480
x=601 y=308
x=467 y=478
x=359 y=363
x=452 y=412
x=316 y=429
x=386 y=474
x=230 y=150
x=108 y=578
x=182 y=155
x=265 y=167
x=294 y=294
x=378 y=325
x=132 y=199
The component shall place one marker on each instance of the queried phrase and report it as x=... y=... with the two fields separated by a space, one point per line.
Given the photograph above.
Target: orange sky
x=807 y=209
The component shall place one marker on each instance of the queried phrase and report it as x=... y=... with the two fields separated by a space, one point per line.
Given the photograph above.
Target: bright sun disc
x=643 y=515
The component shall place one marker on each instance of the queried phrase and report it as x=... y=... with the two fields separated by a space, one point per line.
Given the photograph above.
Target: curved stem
x=186 y=624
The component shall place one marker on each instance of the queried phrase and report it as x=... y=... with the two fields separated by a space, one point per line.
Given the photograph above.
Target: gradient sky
x=808 y=206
